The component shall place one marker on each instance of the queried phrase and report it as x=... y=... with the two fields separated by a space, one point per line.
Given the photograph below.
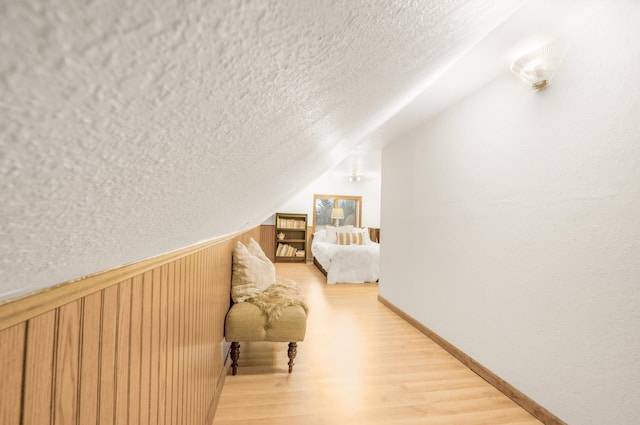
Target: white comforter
x=347 y=263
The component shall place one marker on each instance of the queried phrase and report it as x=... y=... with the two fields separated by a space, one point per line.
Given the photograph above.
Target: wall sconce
x=354 y=178
x=336 y=215
x=537 y=67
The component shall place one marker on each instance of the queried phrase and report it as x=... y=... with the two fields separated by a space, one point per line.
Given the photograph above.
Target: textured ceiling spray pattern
x=130 y=129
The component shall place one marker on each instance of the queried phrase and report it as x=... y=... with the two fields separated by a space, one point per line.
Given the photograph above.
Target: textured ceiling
x=131 y=128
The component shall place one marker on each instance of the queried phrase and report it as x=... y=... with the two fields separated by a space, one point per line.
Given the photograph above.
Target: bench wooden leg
x=235 y=355
x=293 y=350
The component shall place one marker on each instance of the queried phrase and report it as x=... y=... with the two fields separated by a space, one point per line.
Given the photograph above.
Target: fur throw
x=273 y=300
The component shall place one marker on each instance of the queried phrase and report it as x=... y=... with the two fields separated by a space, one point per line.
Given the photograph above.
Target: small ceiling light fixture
x=354 y=178
x=537 y=67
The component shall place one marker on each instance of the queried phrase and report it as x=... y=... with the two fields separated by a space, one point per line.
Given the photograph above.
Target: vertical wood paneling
x=135 y=350
x=122 y=353
x=194 y=338
x=145 y=343
x=210 y=309
x=195 y=325
x=12 y=345
x=219 y=298
x=175 y=372
x=181 y=344
x=65 y=398
x=89 y=358
x=189 y=348
x=186 y=346
x=155 y=348
x=267 y=240
x=108 y=355
x=193 y=346
x=222 y=301
x=146 y=350
x=218 y=264
x=162 y=366
x=205 y=342
x=171 y=346
x=201 y=343
x=39 y=369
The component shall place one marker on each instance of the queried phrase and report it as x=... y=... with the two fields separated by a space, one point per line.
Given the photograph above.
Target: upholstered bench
x=265 y=308
x=246 y=322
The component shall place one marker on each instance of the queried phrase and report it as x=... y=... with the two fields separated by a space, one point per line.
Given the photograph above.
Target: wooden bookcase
x=292 y=247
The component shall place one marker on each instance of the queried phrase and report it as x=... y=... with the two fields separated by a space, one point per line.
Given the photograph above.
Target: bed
x=346 y=263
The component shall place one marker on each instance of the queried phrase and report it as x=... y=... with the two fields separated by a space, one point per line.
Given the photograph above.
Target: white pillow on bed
x=320 y=236
x=332 y=232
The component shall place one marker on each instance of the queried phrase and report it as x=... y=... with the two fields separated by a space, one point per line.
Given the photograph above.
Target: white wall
x=332 y=184
x=512 y=226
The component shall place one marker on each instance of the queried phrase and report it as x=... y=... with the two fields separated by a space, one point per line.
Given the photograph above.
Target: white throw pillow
x=255 y=249
x=251 y=274
x=320 y=236
x=332 y=232
x=365 y=234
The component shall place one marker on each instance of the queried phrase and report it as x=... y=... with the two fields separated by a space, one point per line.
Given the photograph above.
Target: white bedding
x=347 y=263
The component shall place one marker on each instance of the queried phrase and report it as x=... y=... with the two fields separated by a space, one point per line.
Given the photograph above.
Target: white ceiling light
x=537 y=67
x=354 y=178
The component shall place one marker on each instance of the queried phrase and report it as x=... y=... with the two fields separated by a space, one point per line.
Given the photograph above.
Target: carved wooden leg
x=293 y=350
x=235 y=355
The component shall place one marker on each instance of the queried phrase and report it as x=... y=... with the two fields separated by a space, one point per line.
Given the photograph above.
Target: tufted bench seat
x=265 y=307
x=246 y=322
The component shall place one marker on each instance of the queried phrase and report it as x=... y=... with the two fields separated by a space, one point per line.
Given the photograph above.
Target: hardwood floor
x=360 y=363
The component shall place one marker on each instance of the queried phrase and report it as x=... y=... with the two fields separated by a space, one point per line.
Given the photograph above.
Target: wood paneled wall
x=141 y=344
x=267 y=238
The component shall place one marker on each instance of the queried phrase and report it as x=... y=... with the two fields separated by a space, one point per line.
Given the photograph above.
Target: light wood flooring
x=359 y=364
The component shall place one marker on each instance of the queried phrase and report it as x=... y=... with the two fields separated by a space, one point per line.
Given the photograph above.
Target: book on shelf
x=286 y=250
x=289 y=223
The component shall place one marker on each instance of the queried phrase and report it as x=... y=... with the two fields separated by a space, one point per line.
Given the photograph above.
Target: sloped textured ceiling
x=134 y=128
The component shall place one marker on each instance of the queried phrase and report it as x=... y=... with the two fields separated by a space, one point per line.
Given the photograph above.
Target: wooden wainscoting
x=267 y=240
x=140 y=344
